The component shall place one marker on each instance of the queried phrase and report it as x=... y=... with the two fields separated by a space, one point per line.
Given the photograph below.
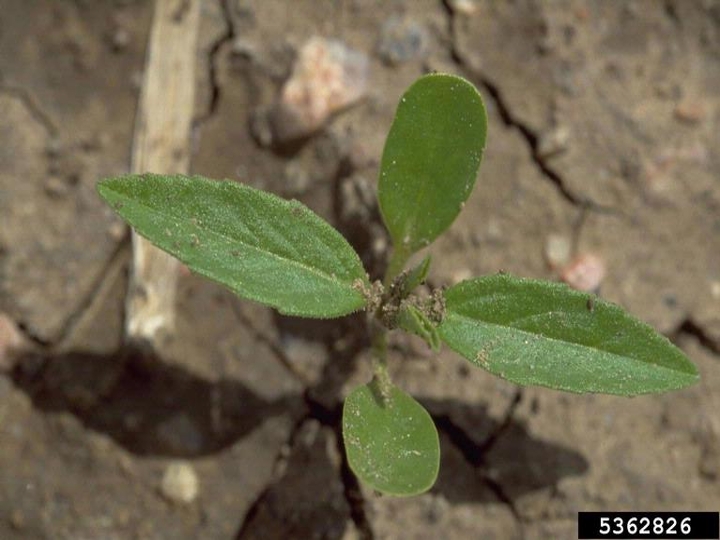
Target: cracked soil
x=604 y=127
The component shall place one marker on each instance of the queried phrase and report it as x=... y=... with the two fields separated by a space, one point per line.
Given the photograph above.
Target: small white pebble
x=557 y=250
x=466 y=7
x=553 y=141
x=179 y=483
x=494 y=232
x=715 y=289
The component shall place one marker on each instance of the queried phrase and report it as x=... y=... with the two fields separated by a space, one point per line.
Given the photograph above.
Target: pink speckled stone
x=585 y=272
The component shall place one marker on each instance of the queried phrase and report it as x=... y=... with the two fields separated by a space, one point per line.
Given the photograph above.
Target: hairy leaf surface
x=539 y=333
x=263 y=247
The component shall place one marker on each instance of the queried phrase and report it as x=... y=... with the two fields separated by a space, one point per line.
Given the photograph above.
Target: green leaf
x=431 y=159
x=412 y=320
x=264 y=248
x=391 y=441
x=539 y=333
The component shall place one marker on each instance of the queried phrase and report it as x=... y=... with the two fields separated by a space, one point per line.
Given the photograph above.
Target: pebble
x=557 y=250
x=466 y=7
x=715 y=289
x=327 y=76
x=584 y=273
x=180 y=483
x=379 y=245
x=116 y=230
x=690 y=112
x=553 y=141
x=401 y=40
x=494 y=232
x=10 y=339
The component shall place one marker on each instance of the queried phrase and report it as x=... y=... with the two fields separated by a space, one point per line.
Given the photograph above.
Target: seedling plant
x=279 y=253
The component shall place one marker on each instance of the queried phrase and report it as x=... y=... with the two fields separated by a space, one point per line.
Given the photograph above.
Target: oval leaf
x=391 y=442
x=539 y=333
x=431 y=159
x=264 y=248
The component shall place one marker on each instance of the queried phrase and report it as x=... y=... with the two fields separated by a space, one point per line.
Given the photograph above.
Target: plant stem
x=397 y=262
x=378 y=331
x=379 y=357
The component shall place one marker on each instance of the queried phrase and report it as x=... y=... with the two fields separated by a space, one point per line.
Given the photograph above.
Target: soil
x=604 y=125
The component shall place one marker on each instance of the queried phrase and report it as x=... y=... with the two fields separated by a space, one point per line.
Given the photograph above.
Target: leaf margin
x=372 y=391
x=481 y=356
x=403 y=241
x=119 y=201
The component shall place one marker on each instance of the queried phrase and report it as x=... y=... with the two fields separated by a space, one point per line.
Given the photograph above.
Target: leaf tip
x=103 y=186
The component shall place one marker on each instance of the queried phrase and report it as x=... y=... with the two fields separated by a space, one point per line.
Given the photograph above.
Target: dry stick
x=162 y=145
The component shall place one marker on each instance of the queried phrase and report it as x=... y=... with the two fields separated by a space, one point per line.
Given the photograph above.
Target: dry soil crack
x=499 y=492
x=270 y=344
x=332 y=418
x=474 y=452
x=692 y=328
x=213 y=55
x=262 y=496
x=512 y=120
x=117 y=257
x=36 y=111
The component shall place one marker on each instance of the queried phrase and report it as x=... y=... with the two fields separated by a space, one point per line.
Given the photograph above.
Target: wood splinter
x=161 y=144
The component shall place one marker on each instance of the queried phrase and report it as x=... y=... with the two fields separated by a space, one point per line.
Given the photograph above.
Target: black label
x=695 y=525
